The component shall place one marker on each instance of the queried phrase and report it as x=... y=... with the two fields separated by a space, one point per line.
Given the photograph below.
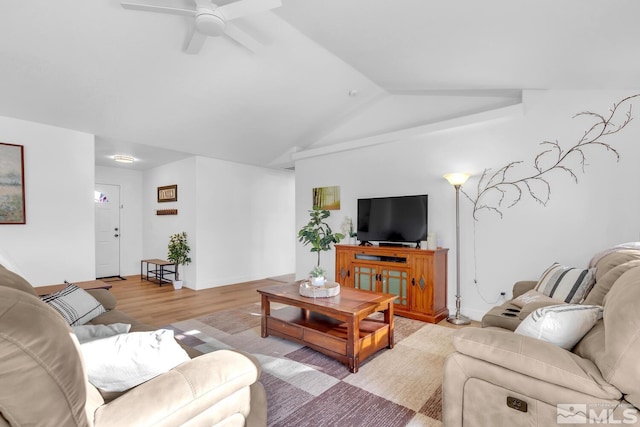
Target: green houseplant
x=318 y=234
x=317 y=275
x=347 y=229
x=178 y=254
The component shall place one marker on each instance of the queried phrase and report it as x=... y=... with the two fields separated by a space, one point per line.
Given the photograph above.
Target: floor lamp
x=457 y=179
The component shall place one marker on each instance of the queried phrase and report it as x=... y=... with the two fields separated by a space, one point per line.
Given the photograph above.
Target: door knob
x=116 y=235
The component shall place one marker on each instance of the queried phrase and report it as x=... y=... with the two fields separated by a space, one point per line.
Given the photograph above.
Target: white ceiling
x=120 y=74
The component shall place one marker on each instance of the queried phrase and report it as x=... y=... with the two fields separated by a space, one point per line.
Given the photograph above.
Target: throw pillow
x=86 y=333
x=76 y=305
x=567 y=284
x=123 y=361
x=563 y=325
x=533 y=296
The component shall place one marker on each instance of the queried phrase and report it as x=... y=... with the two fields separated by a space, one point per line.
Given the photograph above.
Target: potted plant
x=347 y=229
x=318 y=234
x=317 y=276
x=178 y=254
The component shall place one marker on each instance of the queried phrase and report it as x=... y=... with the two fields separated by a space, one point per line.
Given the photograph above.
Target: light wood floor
x=162 y=305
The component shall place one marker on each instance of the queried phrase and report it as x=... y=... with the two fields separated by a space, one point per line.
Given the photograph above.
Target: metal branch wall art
x=498 y=189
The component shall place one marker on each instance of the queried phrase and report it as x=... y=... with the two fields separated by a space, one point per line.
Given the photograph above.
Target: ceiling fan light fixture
x=210 y=23
x=210 y=20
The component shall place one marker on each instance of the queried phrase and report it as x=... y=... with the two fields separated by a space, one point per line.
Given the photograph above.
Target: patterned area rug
x=394 y=387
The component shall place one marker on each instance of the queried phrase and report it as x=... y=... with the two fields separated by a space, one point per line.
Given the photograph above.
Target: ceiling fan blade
x=243 y=38
x=195 y=41
x=160 y=9
x=242 y=8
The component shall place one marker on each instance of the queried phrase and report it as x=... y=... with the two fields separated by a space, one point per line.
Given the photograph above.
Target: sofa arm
x=534 y=358
x=104 y=297
x=188 y=391
x=533 y=306
x=523 y=286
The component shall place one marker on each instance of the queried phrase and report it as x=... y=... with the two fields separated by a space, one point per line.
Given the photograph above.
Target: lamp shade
x=457 y=178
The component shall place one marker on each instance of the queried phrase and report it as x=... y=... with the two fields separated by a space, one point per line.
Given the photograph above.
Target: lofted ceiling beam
x=412 y=132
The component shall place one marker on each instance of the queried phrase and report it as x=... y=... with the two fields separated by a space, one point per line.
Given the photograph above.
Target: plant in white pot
x=317 y=276
x=319 y=235
x=347 y=229
x=178 y=254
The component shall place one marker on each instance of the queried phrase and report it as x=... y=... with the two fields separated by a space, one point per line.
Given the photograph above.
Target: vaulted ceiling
x=329 y=71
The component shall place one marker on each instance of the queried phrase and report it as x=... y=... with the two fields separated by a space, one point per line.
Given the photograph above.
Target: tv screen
x=393 y=219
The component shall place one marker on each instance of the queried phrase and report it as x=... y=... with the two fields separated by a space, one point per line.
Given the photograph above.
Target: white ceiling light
x=121 y=158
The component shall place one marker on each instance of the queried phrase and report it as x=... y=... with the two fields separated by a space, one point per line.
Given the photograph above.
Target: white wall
x=245 y=222
x=579 y=220
x=158 y=228
x=130 y=182
x=238 y=218
x=57 y=242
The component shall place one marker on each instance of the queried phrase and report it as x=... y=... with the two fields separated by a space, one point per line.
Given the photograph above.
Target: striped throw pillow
x=567 y=284
x=76 y=305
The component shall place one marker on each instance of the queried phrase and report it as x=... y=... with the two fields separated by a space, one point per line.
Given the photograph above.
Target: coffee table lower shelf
x=328 y=335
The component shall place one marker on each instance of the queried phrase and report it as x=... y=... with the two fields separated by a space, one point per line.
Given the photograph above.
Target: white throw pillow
x=565 y=283
x=121 y=362
x=563 y=325
x=86 y=333
x=76 y=305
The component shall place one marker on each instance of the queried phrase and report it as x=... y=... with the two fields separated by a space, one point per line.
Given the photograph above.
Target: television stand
x=417 y=277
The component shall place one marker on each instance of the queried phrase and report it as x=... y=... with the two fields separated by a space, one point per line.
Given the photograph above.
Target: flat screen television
x=401 y=219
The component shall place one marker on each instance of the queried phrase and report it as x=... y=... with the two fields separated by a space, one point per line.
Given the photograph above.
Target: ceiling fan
x=212 y=20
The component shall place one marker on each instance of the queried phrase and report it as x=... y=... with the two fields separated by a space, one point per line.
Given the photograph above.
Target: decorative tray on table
x=329 y=289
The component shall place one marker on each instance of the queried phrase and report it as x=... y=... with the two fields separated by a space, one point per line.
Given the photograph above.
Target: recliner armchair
x=500 y=378
x=43 y=381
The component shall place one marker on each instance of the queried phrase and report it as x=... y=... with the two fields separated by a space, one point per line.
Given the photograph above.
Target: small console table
x=159 y=272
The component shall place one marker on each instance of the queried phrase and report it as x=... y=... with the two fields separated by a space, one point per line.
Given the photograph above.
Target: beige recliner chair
x=499 y=378
x=43 y=381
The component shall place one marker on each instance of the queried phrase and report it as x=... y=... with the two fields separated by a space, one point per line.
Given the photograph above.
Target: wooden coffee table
x=337 y=326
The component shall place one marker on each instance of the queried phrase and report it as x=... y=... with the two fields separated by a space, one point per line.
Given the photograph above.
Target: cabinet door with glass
x=380 y=278
x=365 y=277
x=395 y=281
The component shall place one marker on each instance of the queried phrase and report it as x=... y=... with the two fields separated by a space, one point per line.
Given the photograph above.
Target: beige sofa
x=43 y=381
x=500 y=378
x=609 y=266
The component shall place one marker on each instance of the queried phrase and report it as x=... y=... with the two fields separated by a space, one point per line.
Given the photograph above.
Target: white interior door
x=107 y=203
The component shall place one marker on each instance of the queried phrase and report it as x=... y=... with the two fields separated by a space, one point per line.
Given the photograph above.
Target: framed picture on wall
x=12 y=210
x=326 y=198
x=168 y=193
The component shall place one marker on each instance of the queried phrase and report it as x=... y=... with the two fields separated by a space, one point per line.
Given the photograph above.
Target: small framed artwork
x=168 y=193
x=12 y=210
x=326 y=198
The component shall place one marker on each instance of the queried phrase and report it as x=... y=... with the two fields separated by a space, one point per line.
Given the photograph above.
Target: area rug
x=394 y=387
